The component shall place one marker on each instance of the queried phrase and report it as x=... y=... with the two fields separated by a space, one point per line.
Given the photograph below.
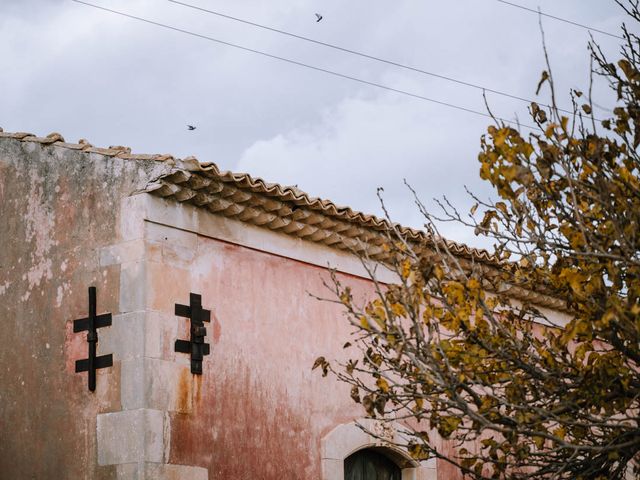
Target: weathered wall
x=58 y=208
x=258 y=411
x=70 y=219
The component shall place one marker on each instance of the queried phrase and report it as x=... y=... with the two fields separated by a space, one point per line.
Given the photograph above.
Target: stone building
x=148 y=232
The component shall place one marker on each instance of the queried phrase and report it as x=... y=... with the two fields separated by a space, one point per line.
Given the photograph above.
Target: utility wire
x=537 y=12
x=306 y=65
x=364 y=55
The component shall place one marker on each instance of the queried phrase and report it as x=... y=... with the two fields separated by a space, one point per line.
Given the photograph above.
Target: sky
x=87 y=73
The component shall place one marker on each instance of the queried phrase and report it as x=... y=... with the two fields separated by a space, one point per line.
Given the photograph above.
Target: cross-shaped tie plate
x=195 y=346
x=91 y=324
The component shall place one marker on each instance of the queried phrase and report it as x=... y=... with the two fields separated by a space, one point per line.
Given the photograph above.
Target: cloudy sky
x=87 y=73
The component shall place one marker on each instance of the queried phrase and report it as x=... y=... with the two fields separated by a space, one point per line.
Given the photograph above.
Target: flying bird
x=319 y=17
x=191 y=127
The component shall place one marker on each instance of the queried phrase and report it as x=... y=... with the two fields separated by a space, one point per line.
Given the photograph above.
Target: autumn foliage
x=522 y=393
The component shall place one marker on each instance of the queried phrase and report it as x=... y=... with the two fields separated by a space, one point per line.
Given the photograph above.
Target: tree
x=447 y=348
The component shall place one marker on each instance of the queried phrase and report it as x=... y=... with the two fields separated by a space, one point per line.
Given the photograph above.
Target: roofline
x=281 y=208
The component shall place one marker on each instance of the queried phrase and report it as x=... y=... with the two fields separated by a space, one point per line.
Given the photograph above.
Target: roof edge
x=280 y=208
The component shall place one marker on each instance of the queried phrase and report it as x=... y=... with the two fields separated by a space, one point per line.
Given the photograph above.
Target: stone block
x=124 y=252
x=168 y=386
x=409 y=474
x=177 y=255
x=108 y=388
x=429 y=464
x=154 y=435
x=125 y=339
x=132 y=215
x=132 y=382
x=332 y=469
x=344 y=440
x=424 y=473
x=166 y=286
x=161 y=331
x=167 y=212
x=166 y=235
x=133 y=287
x=175 y=472
x=130 y=436
x=128 y=471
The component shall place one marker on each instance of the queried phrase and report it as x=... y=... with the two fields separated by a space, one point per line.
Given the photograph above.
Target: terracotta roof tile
x=276 y=207
x=203 y=188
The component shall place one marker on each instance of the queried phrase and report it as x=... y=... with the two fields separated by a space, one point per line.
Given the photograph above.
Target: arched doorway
x=370 y=464
x=348 y=439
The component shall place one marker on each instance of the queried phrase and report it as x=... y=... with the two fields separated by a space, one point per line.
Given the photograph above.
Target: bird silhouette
x=319 y=17
x=191 y=127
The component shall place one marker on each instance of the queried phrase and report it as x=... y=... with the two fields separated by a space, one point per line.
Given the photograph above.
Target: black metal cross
x=92 y=323
x=195 y=345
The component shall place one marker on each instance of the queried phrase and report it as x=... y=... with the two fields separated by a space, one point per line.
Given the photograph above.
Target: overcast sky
x=87 y=73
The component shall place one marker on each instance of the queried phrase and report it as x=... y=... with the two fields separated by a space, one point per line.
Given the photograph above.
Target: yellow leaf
x=438 y=272
x=448 y=425
x=345 y=296
x=398 y=309
x=473 y=284
x=560 y=432
x=406 y=269
x=499 y=137
x=543 y=78
x=382 y=384
x=549 y=130
x=539 y=441
x=418 y=452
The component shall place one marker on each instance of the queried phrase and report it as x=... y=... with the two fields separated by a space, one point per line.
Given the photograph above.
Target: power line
x=301 y=64
x=558 y=18
x=363 y=55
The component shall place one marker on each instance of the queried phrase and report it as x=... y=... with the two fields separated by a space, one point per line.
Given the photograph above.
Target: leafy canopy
x=521 y=392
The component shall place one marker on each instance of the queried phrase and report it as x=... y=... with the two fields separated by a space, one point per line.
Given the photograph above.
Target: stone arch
x=348 y=438
x=371 y=462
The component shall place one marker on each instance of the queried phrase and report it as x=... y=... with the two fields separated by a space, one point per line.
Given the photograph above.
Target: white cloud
x=368 y=141
x=87 y=73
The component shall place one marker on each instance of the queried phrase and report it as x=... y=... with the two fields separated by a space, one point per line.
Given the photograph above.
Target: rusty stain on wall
x=184 y=391
x=57 y=208
x=197 y=388
x=216 y=329
x=258 y=411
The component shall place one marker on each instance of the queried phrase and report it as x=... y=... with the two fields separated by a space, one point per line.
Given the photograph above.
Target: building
x=148 y=232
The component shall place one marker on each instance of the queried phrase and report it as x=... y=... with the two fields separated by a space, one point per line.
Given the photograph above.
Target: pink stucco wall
x=258 y=411
x=57 y=209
